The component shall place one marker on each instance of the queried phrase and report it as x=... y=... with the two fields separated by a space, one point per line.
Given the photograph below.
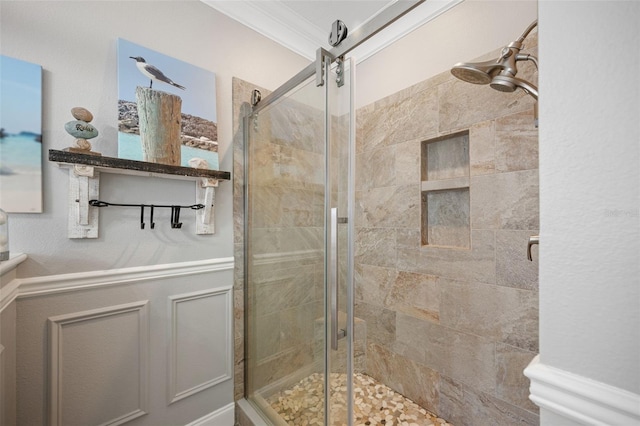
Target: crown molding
x=280 y=24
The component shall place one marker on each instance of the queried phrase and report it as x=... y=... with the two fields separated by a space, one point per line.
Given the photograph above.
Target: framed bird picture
x=166 y=109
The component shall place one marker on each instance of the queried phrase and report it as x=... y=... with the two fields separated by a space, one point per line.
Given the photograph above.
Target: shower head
x=505 y=83
x=476 y=72
x=500 y=73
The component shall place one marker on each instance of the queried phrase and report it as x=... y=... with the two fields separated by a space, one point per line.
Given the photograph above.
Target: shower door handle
x=534 y=239
x=336 y=332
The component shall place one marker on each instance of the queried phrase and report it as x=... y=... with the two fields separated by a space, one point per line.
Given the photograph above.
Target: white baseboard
x=580 y=399
x=224 y=416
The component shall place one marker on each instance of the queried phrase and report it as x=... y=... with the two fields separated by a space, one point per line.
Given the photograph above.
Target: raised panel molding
x=210 y=338
x=582 y=400
x=57 y=354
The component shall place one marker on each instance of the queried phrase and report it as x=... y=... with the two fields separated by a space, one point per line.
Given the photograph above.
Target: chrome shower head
x=506 y=83
x=500 y=73
x=476 y=72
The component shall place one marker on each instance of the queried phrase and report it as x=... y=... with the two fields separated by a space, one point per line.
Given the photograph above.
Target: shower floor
x=374 y=403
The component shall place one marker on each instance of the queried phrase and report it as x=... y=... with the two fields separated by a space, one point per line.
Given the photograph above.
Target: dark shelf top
x=143 y=167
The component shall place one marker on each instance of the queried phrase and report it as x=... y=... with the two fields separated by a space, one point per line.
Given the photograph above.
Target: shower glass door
x=298 y=235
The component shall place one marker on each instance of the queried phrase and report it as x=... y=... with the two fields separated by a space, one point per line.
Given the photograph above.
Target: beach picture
x=20 y=136
x=162 y=85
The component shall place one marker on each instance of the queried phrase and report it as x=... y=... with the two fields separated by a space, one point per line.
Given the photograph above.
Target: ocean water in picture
x=194 y=86
x=129 y=147
x=21 y=173
x=20 y=136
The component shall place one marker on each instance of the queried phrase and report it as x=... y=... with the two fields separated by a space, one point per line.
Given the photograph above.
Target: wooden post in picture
x=160 y=116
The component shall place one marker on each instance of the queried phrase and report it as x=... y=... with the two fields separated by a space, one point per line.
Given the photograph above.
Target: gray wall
x=590 y=203
x=75 y=42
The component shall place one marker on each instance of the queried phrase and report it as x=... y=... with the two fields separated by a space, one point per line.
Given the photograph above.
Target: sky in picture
x=20 y=96
x=198 y=99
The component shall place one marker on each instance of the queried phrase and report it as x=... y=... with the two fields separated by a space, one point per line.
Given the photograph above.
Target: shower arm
x=528 y=30
x=527 y=57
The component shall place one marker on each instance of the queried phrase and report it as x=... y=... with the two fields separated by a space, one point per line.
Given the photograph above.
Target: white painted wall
x=75 y=42
x=463 y=33
x=589 y=190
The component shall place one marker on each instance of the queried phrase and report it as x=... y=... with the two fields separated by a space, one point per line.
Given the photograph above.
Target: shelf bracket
x=206 y=194
x=84 y=185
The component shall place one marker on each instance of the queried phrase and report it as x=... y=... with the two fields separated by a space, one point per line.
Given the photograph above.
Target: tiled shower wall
x=450 y=327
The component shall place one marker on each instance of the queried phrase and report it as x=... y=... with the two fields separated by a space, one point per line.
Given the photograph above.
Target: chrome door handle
x=534 y=239
x=333 y=277
x=336 y=332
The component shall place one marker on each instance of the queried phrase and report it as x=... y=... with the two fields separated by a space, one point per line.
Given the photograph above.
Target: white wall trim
x=8 y=293
x=581 y=399
x=37 y=286
x=174 y=393
x=56 y=354
x=224 y=416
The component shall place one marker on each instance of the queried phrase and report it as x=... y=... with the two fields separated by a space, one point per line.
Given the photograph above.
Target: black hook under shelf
x=175 y=211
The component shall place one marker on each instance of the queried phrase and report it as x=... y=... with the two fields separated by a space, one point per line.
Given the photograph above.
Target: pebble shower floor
x=374 y=403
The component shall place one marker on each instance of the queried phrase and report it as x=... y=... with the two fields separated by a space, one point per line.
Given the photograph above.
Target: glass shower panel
x=340 y=360
x=285 y=254
x=298 y=255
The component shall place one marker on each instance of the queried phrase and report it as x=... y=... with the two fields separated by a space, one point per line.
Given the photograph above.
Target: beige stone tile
x=281 y=290
x=516 y=142
x=380 y=323
x=512 y=384
x=462 y=104
x=417 y=295
x=505 y=201
x=281 y=365
x=477 y=263
x=497 y=313
x=376 y=168
x=412 y=337
x=446 y=218
x=463 y=356
x=266 y=341
x=409 y=237
x=373 y=284
x=376 y=246
x=409 y=378
x=482 y=148
x=446 y=157
x=296 y=325
x=238 y=313
x=407 y=162
x=463 y=405
x=513 y=269
x=389 y=207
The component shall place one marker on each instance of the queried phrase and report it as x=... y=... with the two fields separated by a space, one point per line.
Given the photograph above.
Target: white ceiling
x=304 y=25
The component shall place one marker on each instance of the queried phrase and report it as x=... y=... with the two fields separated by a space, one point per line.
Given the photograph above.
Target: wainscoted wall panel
x=99 y=365
x=201 y=342
x=110 y=338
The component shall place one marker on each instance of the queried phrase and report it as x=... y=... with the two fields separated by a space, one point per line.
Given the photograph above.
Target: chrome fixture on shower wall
x=500 y=73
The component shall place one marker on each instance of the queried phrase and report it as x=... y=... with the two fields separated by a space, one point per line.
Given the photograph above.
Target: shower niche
x=445 y=192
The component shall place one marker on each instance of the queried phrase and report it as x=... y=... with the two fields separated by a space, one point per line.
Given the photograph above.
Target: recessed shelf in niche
x=84 y=186
x=445 y=191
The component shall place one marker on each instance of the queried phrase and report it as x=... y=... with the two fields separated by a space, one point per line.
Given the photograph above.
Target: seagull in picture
x=153 y=73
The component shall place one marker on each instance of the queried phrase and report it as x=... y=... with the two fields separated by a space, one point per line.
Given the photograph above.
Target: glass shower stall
x=299 y=249
x=303 y=346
